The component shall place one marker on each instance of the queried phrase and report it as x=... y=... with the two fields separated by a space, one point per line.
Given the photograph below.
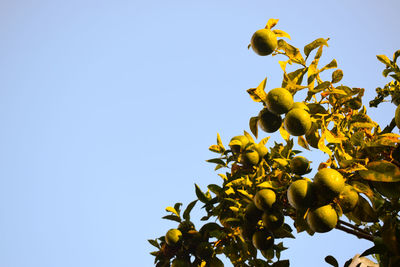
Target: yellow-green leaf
x=322 y=86
x=330 y=65
x=253 y=126
x=248 y=136
x=337 y=76
x=330 y=138
x=280 y=33
x=285 y=135
x=266 y=184
x=244 y=193
x=271 y=23
x=384 y=59
x=258 y=94
x=264 y=141
x=282 y=162
x=171 y=209
x=229 y=191
x=215 y=148
x=314 y=44
x=219 y=142
x=381 y=171
x=292 y=52
x=322 y=146
x=302 y=142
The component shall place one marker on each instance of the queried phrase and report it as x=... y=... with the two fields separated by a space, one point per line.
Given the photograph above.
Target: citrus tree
x=356 y=190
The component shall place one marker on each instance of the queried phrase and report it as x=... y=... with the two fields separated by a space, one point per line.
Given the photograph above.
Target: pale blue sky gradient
x=107 y=110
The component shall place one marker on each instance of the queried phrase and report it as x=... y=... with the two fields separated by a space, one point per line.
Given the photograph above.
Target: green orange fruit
x=173 y=237
x=279 y=100
x=250 y=156
x=264 y=199
x=348 y=198
x=261 y=150
x=322 y=219
x=238 y=143
x=269 y=122
x=297 y=122
x=301 y=194
x=273 y=219
x=328 y=183
x=299 y=165
x=300 y=105
x=264 y=42
x=263 y=239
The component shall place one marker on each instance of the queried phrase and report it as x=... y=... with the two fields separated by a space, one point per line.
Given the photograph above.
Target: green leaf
x=172 y=218
x=258 y=94
x=283 y=263
x=396 y=55
x=337 y=76
x=244 y=193
x=186 y=213
x=219 y=142
x=154 y=243
x=217 y=161
x=330 y=65
x=253 y=126
x=280 y=33
x=332 y=261
x=291 y=52
x=171 y=209
x=283 y=232
x=314 y=44
x=302 y=142
x=215 y=148
x=384 y=59
x=216 y=189
x=364 y=212
x=381 y=171
x=200 y=195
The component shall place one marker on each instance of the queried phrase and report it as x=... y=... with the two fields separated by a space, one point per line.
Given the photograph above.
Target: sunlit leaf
x=292 y=52
x=330 y=65
x=384 y=59
x=280 y=33
x=314 y=44
x=381 y=171
x=219 y=142
x=244 y=193
x=285 y=135
x=171 y=209
x=271 y=23
x=302 y=142
x=337 y=76
x=215 y=148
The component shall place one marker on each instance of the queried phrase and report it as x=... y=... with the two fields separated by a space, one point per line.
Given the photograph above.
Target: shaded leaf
x=381 y=171
x=364 y=212
x=283 y=263
x=186 y=213
x=154 y=243
x=200 y=195
x=216 y=189
x=332 y=261
x=216 y=161
x=172 y=218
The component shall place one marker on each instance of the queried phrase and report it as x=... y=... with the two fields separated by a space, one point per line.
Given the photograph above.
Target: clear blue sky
x=107 y=109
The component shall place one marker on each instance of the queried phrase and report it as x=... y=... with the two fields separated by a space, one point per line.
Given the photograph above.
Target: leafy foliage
x=359 y=154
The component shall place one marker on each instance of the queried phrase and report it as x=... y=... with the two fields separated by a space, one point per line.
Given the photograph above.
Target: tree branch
x=354 y=227
x=356 y=233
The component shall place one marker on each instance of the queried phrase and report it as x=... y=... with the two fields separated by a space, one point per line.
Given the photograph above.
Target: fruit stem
x=353 y=232
x=353 y=226
x=390 y=127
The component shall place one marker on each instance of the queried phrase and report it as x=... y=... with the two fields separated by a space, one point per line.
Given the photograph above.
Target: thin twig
x=356 y=233
x=353 y=226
